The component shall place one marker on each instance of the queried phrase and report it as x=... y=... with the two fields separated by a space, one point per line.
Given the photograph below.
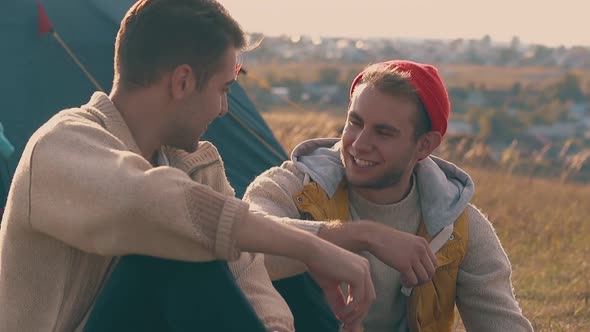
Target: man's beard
x=190 y=148
x=389 y=179
x=186 y=142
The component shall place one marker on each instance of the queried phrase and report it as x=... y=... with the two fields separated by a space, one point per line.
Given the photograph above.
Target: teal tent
x=39 y=78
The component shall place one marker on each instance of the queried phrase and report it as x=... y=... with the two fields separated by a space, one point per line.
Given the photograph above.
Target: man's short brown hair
x=157 y=35
x=395 y=82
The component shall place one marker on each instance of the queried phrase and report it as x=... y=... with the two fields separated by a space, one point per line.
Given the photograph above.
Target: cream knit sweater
x=82 y=194
x=485 y=296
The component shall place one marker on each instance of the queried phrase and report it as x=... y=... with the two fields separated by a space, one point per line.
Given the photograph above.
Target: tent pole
x=73 y=56
x=91 y=78
x=255 y=134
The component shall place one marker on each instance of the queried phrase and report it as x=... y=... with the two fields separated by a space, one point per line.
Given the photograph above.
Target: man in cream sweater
x=95 y=183
x=380 y=184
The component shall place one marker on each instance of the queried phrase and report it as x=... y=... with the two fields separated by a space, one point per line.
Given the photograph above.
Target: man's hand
x=330 y=266
x=407 y=253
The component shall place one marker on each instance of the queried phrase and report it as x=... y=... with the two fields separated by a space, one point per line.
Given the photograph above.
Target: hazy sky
x=550 y=22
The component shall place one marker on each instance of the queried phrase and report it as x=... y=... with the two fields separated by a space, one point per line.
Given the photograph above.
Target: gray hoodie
x=445 y=189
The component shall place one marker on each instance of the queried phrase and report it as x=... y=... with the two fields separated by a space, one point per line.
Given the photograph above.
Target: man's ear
x=182 y=81
x=427 y=143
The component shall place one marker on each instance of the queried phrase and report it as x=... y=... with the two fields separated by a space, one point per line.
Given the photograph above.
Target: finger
x=429 y=266
x=358 y=318
x=355 y=323
x=354 y=297
x=362 y=309
x=336 y=300
x=421 y=273
x=371 y=293
x=432 y=257
x=409 y=278
x=357 y=304
x=352 y=328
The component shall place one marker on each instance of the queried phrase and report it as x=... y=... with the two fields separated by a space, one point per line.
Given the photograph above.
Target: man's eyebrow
x=355 y=115
x=387 y=128
x=384 y=127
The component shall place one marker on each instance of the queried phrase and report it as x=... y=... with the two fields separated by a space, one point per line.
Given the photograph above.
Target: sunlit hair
x=158 y=35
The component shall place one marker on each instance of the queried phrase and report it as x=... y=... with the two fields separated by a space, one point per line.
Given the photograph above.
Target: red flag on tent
x=44 y=23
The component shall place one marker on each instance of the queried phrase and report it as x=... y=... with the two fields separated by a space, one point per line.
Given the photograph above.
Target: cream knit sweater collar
x=101 y=106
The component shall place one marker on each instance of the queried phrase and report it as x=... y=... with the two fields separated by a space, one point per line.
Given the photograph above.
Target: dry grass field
x=543 y=225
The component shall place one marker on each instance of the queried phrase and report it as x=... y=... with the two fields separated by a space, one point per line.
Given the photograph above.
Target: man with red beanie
x=408 y=212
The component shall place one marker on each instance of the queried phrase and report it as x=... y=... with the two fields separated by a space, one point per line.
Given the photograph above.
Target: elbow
x=105 y=244
x=103 y=240
x=104 y=236
x=84 y=232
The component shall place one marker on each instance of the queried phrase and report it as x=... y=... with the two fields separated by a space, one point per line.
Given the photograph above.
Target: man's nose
x=363 y=141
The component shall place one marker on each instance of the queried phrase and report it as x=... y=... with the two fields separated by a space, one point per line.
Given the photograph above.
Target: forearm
x=259 y=233
x=352 y=236
x=280 y=267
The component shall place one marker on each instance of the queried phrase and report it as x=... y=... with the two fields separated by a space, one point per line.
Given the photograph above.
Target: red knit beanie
x=430 y=87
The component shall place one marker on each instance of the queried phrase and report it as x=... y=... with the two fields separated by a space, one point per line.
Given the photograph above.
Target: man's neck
x=139 y=109
x=389 y=195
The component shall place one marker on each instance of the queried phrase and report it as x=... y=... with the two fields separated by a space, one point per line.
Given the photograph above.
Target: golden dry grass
x=290 y=128
x=544 y=227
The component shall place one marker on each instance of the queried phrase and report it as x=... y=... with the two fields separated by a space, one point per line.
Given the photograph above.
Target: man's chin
x=371 y=183
x=194 y=147
x=361 y=182
x=190 y=148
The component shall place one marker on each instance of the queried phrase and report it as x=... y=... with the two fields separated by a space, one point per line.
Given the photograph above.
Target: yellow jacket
x=431 y=307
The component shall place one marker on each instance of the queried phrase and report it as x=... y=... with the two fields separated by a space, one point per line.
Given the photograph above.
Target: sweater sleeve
x=485 y=296
x=271 y=194
x=252 y=278
x=89 y=191
x=248 y=270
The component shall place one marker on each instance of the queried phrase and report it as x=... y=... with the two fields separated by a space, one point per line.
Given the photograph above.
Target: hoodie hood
x=445 y=189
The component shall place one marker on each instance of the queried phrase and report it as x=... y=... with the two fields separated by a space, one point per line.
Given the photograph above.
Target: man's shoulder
x=67 y=129
x=285 y=178
x=290 y=167
x=485 y=251
x=480 y=228
x=475 y=215
x=68 y=120
x=473 y=211
x=286 y=171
